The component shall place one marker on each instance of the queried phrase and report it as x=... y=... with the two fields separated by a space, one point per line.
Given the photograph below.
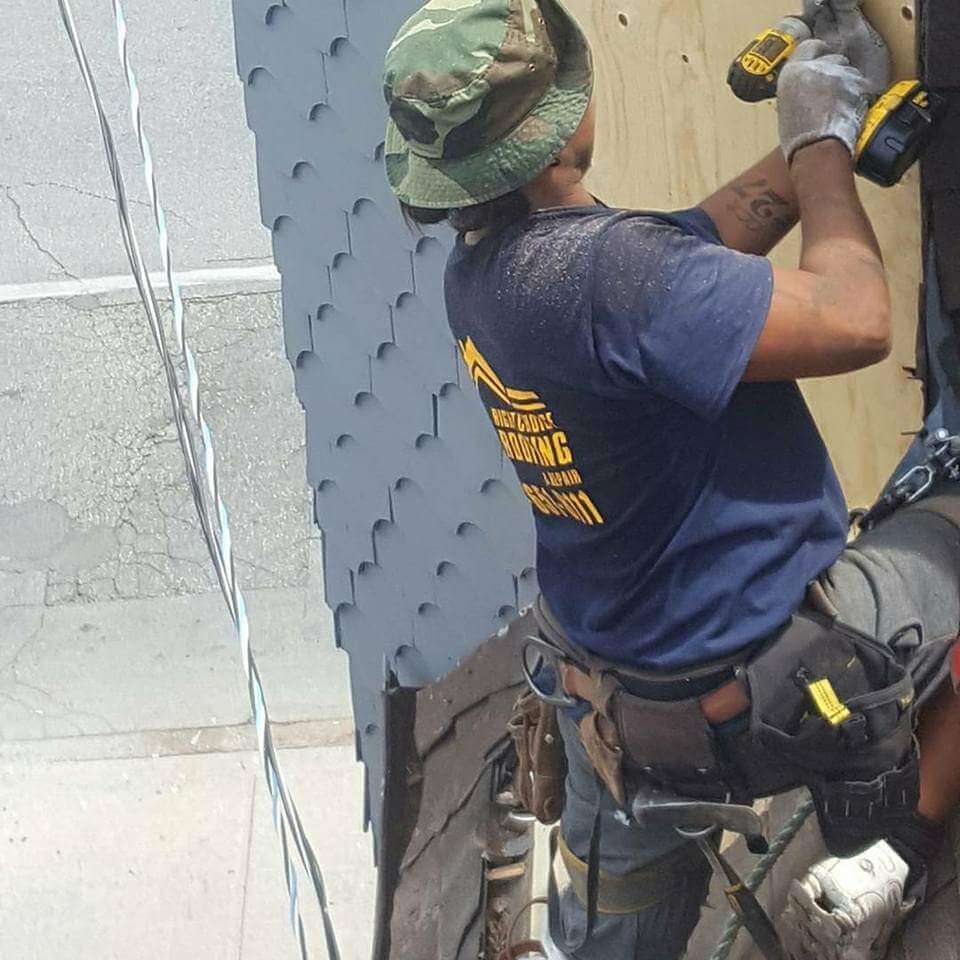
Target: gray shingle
x=428 y=543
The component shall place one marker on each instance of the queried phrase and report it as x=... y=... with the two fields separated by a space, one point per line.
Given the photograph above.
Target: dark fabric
x=668 y=735
x=941 y=172
x=941 y=42
x=938 y=163
x=609 y=346
x=918 y=840
x=945 y=220
x=864 y=674
x=900 y=583
x=854 y=815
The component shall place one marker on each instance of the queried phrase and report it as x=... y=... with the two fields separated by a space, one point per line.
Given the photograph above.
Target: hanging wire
x=204 y=486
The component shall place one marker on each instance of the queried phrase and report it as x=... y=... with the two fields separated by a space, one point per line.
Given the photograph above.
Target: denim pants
x=899 y=583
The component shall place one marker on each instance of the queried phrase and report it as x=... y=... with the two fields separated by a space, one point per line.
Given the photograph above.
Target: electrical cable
x=204 y=486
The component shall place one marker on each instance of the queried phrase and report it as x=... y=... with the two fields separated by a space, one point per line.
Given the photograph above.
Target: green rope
x=777 y=846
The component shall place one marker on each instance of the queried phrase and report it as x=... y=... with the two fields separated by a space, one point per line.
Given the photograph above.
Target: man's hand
x=820 y=95
x=844 y=28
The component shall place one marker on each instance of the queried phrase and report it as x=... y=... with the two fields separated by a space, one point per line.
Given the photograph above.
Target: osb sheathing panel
x=670 y=132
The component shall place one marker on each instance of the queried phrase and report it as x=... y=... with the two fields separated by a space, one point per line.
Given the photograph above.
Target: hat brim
x=516 y=158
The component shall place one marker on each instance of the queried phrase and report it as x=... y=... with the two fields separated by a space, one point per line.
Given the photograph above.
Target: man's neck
x=576 y=195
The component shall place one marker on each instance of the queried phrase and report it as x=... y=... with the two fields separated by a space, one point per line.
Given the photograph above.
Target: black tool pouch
x=670 y=742
x=541 y=761
x=855 y=813
x=837 y=705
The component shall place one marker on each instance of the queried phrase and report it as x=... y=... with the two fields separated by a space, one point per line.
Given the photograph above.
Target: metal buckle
x=942 y=462
x=551 y=656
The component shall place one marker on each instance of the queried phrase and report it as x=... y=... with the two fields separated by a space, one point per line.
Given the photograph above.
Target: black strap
x=741 y=898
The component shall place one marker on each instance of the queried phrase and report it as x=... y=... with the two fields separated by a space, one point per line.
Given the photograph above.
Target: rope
x=204 y=486
x=759 y=873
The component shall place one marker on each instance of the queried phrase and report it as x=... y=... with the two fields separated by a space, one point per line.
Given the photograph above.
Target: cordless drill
x=898 y=126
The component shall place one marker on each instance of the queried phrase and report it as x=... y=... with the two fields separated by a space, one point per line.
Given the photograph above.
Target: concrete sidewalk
x=134 y=822
x=132 y=815
x=156 y=856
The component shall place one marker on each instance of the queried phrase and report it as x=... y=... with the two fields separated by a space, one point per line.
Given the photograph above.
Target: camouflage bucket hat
x=483 y=95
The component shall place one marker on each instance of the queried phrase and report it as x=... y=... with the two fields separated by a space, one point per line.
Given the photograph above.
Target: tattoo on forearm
x=760 y=208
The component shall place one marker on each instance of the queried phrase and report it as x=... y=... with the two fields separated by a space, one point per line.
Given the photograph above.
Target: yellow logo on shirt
x=482 y=372
x=529 y=435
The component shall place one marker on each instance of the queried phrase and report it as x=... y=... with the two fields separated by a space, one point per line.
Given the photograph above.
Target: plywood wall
x=670 y=131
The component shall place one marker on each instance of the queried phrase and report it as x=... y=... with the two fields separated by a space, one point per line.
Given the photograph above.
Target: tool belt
x=821 y=705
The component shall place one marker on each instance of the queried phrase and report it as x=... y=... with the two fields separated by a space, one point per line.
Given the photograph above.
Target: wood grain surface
x=669 y=131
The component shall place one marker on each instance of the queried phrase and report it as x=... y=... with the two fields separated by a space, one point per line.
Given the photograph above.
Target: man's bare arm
x=832 y=315
x=754 y=212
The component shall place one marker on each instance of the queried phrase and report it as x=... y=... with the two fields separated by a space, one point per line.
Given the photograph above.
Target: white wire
x=211 y=510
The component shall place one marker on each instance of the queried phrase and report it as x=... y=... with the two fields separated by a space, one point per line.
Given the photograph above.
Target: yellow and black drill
x=898 y=126
x=753 y=74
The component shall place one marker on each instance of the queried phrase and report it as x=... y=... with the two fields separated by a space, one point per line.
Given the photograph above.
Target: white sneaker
x=846 y=909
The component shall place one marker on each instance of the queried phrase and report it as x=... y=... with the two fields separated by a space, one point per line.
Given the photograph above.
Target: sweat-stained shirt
x=679 y=513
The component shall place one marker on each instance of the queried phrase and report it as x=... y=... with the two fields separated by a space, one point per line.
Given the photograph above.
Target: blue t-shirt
x=679 y=513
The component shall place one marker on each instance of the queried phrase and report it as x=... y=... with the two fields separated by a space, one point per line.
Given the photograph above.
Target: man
x=640 y=370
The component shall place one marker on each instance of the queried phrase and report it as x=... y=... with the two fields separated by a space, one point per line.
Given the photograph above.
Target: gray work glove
x=820 y=95
x=844 y=28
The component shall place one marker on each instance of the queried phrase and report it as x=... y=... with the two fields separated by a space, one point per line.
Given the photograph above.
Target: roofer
x=718 y=639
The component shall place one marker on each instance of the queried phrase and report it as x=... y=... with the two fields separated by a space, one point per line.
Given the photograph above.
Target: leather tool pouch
x=541 y=760
x=670 y=741
x=837 y=705
x=601 y=741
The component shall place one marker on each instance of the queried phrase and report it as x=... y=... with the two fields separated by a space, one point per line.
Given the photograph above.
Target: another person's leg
x=659 y=932
x=901 y=584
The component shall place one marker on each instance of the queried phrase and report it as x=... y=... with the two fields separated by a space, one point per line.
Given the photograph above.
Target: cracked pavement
x=133 y=820
x=18 y=210
x=113 y=632
x=108 y=515
x=57 y=215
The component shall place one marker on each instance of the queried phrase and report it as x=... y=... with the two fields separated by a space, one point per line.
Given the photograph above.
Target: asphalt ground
x=57 y=217
x=133 y=818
